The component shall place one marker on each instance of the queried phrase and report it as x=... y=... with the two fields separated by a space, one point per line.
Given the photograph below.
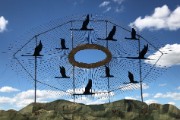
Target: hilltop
x=118 y=110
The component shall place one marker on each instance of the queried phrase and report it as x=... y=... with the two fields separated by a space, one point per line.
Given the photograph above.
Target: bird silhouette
x=131 y=78
x=133 y=35
x=38 y=49
x=107 y=71
x=63 y=72
x=142 y=54
x=63 y=45
x=88 y=87
x=85 y=23
x=111 y=34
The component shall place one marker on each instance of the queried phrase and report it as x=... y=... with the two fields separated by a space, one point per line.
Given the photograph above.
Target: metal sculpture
x=59 y=44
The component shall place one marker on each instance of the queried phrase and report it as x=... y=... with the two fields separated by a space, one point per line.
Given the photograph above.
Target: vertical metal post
x=140 y=72
x=35 y=73
x=108 y=64
x=72 y=38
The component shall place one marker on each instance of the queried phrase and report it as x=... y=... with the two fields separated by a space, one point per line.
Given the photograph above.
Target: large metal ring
x=91 y=65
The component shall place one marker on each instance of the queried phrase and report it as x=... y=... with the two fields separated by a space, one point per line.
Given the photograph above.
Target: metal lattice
x=58 y=39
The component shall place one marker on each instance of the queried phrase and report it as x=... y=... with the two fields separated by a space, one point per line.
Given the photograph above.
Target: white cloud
x=178 y=88
x=130 y=98
x=172 y=103
x=172 y=95
x=3 y=24
x=151 y=101
x=119 y=9
x=172 y=56
x=24 y=98
x=118 y=1
x=145 y=95
x=107 y=9
x=162 y=85
x=8 y=89
x=162 y=18
x=105 y=3
x=132 y=86
x=5 y=100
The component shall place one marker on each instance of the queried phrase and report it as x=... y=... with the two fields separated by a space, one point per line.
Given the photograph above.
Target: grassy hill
x=118 y=110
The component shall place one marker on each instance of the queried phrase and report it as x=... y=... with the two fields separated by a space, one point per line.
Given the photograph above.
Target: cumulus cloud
x=24 y=98
x=171 y=58
x=150 y=101
x=105 y=3
x=172 y=95
x=118 y=1
x=178 y=88
x=107 y=9
x=8 y=89
x=3 y=24
x=115 y=5
x=162 y=18
x=132 y=86
x=172 y=103
x=162 y=85
x=5 y=100
x=130 y=98
x=145 y=95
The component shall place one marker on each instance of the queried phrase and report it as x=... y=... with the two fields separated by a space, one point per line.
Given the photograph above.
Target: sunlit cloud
x=172 y=95
x=132 y=86
x=130 y=98
x=107 y=9
x=162 y=18
x=178 y=88
x=170 y=58
x=8 y=89
x=145 y=95
x=162 y=85
x=24 y=98
x=3 y=24
x=115 y=5
x=105 y=3
x=119 y=1
x=150 y=101
x=172 y=103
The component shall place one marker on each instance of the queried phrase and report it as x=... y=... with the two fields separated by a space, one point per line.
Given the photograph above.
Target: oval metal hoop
x=91 y=65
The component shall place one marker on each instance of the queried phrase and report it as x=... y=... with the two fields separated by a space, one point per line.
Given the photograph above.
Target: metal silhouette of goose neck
x=142 y=53
x=133 y=35
x=88 y=87
x=38 y=49
x=63 y=72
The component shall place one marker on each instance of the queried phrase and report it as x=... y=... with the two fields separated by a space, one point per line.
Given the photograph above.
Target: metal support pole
x=72 y=38
x=35 y=73
x=108 y=64
x=140 y=72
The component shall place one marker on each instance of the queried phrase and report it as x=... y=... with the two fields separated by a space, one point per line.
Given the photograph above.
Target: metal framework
x=118 y=52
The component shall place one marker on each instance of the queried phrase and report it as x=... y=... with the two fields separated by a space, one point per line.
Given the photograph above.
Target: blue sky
x=159 y=21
